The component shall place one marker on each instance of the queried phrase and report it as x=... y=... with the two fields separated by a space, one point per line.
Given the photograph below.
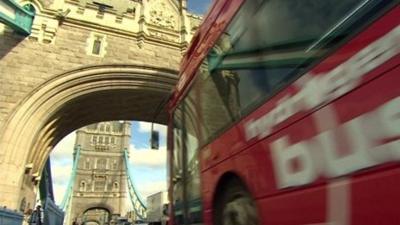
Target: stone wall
x=25 y=63
x=151 y=37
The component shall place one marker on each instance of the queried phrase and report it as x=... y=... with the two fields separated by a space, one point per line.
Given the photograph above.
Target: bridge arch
x=90 y=215
x=92 y=222
x=72 y=100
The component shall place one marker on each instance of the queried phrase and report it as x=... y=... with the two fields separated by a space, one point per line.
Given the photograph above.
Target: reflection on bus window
x=178 y=167
x=252 y=59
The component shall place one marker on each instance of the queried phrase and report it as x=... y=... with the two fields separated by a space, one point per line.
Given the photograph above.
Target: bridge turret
x=100 y=181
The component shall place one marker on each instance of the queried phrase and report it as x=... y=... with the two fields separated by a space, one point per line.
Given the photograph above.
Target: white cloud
x=59 y=191
x=145 y=127
x=64 y=148
x=61 y=165
x=147 y=157
x=149 y=188
x=61 y=175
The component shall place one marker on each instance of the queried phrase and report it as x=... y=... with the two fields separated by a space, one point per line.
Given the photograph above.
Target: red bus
x=287 y=112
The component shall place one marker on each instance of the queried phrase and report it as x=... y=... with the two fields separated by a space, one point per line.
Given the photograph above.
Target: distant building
x=131 y=216
x=100 y=186
x=157 y=208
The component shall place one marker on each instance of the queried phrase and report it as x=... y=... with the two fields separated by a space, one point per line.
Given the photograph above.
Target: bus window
x=218 y=101
x=192 y=182
x=186 y=167
x=253 y=60
x=177 y=169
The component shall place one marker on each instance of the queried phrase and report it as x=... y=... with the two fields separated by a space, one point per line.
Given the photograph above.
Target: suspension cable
x=64 y=203
x=132 y=187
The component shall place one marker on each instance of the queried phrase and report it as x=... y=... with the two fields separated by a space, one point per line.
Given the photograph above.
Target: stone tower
x=100 y=186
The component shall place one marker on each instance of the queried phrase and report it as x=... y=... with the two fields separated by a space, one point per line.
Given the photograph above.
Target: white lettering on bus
x=316 y=90
x=370 y=139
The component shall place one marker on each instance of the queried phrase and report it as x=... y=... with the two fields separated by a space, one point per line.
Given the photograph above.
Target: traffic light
x=155 y=140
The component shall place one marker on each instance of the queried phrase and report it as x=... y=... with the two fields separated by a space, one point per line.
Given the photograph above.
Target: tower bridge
x=82 y=62
x=101 y=187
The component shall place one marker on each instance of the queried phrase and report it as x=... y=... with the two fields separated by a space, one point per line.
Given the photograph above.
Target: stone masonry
x=101 y=178
x=85 y=62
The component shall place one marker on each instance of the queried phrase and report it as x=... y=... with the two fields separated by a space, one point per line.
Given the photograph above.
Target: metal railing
x=10 y=217
x=17 y=17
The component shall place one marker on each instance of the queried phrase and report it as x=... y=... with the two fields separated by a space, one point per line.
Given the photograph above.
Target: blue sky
x=148 y=166
x=198 y=6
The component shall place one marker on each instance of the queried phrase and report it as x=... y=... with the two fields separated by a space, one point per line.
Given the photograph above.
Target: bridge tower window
x=100 y=140
x=101 y=164
x=87 y=163
x=82 y=186
x=107 y=140
x=96 y=45
x=114 y=166
x=94 y=139
x=101 y=128
x=116 y=186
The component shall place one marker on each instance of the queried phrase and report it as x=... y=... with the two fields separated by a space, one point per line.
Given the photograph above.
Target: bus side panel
x=376 y=196
x=369 y=195
x=305 y=207
x=235 y=139
x=329 y=197
x=209 y=180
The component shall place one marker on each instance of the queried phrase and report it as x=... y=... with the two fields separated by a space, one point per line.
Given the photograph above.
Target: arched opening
x=92 y=223
x=98 y=216
x=70 y=101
